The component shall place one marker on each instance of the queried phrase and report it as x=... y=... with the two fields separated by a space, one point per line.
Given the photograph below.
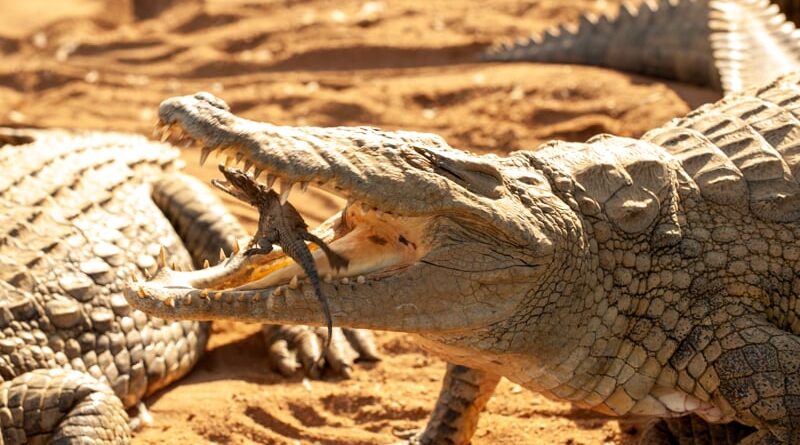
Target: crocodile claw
x=296 y=349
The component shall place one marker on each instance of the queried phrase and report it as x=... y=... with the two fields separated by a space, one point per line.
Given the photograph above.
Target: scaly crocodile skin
x=726 y=44
x=76 y=221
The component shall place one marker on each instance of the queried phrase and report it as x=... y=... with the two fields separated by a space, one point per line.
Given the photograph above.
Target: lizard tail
x=337 y=262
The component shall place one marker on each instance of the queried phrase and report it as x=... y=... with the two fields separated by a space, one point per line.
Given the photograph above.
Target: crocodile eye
x=481 y=179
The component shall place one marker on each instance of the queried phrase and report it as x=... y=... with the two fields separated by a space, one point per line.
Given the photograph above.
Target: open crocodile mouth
x=376 y=239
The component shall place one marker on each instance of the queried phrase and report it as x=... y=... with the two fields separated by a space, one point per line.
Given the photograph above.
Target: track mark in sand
x=92 y=49
x=204 y=20
x=346 y=113
x=367 y=409
x=298 y=432
x=162 y=55
x=442 y=99
x=345 y=58
x=581 y=128
x=308 y=415
x=245 y=43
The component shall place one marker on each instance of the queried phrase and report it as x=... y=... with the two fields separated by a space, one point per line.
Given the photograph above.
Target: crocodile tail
x=752 y=43
x=668 y=39
x=201 y=220
x=713 y=43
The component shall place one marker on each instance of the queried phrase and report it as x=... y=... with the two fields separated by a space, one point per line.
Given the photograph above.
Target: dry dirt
x=403 y=64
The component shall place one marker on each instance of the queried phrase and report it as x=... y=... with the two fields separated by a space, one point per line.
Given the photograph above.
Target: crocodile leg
x=61 y=407
x=464 y=393
x=758 y=374
x=693 y=430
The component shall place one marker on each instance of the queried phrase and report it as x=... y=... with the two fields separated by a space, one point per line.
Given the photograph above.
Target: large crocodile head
x=439 y=240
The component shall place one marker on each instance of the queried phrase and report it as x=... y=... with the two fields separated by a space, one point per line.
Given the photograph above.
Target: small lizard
x=281 y=224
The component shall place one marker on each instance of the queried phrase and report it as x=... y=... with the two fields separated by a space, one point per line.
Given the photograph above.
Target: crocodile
x=653 y=277
x=718 y=43
x=82 y=213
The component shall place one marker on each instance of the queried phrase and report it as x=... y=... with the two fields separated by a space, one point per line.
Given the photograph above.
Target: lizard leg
x=61 y=407
x=693 y=430
x=758 y=373
x=464 y=393
x=258 y=249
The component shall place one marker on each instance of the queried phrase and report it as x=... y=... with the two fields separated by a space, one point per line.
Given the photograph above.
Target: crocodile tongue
x=375 y=245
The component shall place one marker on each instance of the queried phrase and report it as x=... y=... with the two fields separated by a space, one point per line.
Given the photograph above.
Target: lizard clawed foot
x=256 y=251
x=300 y=348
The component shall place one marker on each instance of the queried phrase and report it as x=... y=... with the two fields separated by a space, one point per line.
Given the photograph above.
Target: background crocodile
x=723 y=44
x=78 y=219
x=81 y=214
x=652 y=277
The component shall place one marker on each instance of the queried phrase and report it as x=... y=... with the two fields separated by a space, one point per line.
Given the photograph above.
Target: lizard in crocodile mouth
x=280 y=223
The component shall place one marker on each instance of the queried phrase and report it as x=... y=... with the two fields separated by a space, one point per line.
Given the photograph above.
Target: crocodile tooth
x=217 y=296
x=141 y=292
x=172 y=265
x=345 y=280
x=204 y=154
x=278 y=291
x=204 y=293
x=248 y=164
x=166 y=132
x=304 y=186
x=206 y=264
x=239 y=157
x=169 y=301
x=228 y=161
x=328 y=278
x=222 y=256
x=361 y=279
x=162 y=257
x=286 y=188
x=293 y=283
x=235 y=246
x=187 y=300
x=271 y=180
x=257 y=172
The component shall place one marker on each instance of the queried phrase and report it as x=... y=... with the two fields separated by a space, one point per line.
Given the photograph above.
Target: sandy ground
x=403 y=64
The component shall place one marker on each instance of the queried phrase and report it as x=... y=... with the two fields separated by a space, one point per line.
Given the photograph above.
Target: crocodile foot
x=294 y=349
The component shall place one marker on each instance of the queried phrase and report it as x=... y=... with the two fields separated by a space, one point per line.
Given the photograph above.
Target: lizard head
x=437 y=239
x=238 y=185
